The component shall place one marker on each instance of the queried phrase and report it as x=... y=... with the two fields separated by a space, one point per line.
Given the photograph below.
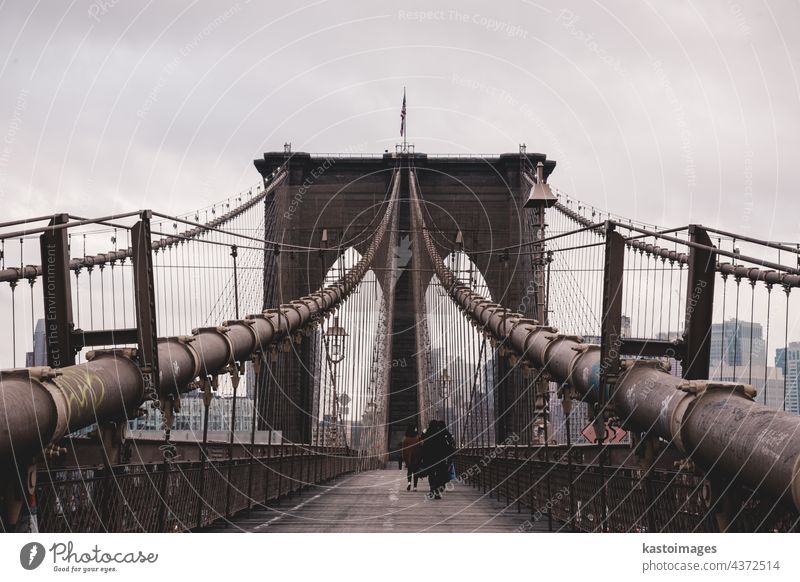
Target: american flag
x=403 y=115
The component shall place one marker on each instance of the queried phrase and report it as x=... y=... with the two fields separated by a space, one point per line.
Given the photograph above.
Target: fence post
x=145 y=304
x=147 y=336
x=57 y=294
x=208 y=396
x=699 y=306
x=610 y=343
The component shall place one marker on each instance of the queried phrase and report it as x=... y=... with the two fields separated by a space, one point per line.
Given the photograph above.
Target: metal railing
x=186 y=494
x=565 y=487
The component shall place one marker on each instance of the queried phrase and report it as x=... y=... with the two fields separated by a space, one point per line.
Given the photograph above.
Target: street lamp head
x=444 y=378
x=337 y=338
x=540 y=195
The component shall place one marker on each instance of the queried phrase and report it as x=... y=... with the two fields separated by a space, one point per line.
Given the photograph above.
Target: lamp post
x=444 y=392
x=336 y=337
x=540 y=198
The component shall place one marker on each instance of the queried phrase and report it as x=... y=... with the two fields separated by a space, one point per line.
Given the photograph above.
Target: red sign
x=614 y=434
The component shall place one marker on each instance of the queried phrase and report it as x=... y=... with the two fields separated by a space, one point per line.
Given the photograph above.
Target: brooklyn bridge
x=255 y=364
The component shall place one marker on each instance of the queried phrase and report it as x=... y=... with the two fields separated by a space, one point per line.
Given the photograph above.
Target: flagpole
x=405 y=123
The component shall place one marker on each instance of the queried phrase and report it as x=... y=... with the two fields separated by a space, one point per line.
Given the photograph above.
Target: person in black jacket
x=438 y=446
x=412 y=454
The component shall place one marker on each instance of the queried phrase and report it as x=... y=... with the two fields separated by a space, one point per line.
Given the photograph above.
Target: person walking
x=412 y=454
x=437 y=448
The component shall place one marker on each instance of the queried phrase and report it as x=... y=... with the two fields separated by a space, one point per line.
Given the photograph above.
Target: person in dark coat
x=412 y=454
x=437 y=448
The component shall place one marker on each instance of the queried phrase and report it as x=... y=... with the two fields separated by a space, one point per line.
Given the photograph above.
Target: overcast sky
x=668 y=112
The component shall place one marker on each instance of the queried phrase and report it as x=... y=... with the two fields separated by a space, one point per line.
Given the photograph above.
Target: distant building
x=250 y=380
x=38 y=357
x=767 y=381
x=736 y=343
x=330 y=432
x=192 y=412
x=731 y=347
x=355 y=436
x=625 y=328
x=788 y=361
x=557 y=424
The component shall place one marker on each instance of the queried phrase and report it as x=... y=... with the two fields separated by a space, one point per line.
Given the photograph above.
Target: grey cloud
x=666 y=112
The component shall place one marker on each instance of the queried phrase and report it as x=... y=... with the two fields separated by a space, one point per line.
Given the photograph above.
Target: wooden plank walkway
x=377 y=501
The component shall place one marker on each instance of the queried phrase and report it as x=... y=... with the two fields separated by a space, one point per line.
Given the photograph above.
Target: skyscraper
x=788 y=360
x=38 y=357
x=250 y=380
x=736 y=343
